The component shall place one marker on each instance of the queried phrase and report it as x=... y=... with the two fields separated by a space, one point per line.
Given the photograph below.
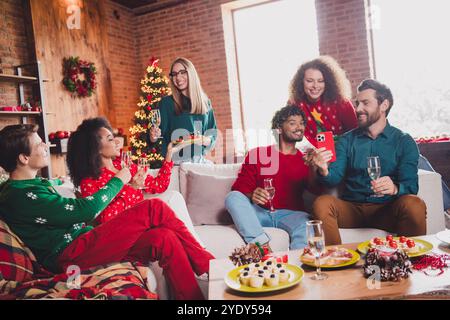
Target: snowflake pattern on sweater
x=128 y=196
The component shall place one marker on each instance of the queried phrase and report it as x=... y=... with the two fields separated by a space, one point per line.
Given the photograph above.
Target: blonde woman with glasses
x=187 y=116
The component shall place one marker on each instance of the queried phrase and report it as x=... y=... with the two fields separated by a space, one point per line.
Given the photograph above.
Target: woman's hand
x=171 y=149
x=139 y=178
x=155 y=133
x=124 y=175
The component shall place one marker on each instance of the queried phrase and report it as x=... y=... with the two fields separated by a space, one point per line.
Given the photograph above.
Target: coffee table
x=342 y=284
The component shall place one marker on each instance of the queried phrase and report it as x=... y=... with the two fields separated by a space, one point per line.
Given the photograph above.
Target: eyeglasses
x=173 y=74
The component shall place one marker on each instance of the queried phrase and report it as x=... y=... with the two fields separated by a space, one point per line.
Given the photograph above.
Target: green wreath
x=79 y=76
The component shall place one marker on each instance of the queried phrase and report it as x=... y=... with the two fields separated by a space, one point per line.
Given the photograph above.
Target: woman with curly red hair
x=321 y=89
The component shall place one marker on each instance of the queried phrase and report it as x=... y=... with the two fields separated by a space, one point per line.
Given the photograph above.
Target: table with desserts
x=342 y=283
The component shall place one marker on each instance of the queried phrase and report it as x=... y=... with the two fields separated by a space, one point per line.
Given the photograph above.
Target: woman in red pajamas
x=91 y=151
x=321 y=89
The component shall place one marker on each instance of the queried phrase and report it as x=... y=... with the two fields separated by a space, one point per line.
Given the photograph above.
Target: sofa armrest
x=430 y=191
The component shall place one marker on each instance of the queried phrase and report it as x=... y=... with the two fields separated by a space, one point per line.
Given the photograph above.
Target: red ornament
x=149 y=108
x=153 y=150
x=60 y=134
x=143 y=155
x=149 y=98
x=52 y=136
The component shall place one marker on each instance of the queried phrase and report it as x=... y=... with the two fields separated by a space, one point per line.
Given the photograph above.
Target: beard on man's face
x=291 y=137
x=369 y=119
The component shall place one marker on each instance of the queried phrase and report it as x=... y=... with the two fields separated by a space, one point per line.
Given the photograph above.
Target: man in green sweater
x=55 y=228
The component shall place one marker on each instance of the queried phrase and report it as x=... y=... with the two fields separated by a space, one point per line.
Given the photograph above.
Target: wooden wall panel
x=54 y=41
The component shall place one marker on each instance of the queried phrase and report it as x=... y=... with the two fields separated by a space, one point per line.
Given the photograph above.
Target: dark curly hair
x=83 y=157
x=284 y=113
x=337 y=85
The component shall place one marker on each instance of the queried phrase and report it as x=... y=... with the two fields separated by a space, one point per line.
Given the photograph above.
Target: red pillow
x=15 y=258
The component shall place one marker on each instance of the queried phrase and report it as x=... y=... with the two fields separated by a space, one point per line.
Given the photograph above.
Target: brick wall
x=342 y=34
x=13 y=50
x=193 y=30
x=125 y=71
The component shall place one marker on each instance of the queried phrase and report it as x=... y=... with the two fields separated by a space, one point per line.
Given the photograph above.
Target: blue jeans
x=426 y=165
x=250 y=219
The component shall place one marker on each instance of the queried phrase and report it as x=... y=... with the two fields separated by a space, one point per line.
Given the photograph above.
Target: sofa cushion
x=205 y=198
x=217 y=170
x=16 y=260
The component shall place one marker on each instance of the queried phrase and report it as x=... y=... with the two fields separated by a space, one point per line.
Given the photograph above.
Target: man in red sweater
x=249 y=202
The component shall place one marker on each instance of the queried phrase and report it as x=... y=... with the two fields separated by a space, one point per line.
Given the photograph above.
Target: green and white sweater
x=46 y=221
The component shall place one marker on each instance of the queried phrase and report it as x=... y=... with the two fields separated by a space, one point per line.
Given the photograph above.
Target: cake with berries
x=387 y=264
x=193 y=138
x=408 y=245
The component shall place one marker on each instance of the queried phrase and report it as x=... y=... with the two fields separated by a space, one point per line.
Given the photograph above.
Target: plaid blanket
x=21 y=277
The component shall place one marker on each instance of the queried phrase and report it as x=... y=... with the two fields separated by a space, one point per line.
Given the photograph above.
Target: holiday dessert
x=388 y=265
x=272 y=280
x=333 y=256
x=266 y=273
x=256 y=281
x=406 y=244
x=193 y=138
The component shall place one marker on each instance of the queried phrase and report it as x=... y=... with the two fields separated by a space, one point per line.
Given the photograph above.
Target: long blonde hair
x=199 y=99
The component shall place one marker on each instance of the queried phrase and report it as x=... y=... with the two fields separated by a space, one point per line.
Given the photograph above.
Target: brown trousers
x=404 y=216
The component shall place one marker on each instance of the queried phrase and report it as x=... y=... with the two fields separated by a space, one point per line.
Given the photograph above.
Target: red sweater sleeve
x=161 y=182
x=347 y=115
x=246 y=180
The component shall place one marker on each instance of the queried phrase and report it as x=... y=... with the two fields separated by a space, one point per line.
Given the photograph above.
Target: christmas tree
x=154 y=87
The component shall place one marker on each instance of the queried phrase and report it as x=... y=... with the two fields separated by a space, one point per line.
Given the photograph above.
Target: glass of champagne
x=316 y=242
x=374 y=170
x=155 y=118
x=268 y=186
x=142 y=167
x=126 y=159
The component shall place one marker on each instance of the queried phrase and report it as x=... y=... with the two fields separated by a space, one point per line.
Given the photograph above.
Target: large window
x=412 y=56
x=272 y=41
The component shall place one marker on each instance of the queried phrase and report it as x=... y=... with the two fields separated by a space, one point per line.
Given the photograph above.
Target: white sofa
x=221 y=239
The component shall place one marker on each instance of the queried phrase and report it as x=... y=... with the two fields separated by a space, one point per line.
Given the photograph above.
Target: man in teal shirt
x=388 y=202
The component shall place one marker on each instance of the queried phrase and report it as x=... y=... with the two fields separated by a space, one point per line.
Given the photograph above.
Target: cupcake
x=272 y=280
x=244 y=278
x=284 y=275
x=256 y=281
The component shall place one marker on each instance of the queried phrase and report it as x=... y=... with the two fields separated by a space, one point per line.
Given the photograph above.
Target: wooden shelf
x=20 y=113
x=16 y=79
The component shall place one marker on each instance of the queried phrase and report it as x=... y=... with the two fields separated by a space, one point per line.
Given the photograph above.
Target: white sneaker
x=203 y=277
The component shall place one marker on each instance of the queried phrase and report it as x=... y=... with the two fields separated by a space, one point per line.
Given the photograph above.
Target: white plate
x=444 y=236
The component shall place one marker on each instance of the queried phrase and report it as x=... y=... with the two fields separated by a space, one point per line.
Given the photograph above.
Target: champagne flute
x=316 y=242
x=374 y=170
x=142 y=166
x=268 y=186
x=126 y=159
x=155 y=118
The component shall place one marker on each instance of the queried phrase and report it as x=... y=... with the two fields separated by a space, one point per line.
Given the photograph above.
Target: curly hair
x=284 y=113
x=337 y=85
x=83 y=150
